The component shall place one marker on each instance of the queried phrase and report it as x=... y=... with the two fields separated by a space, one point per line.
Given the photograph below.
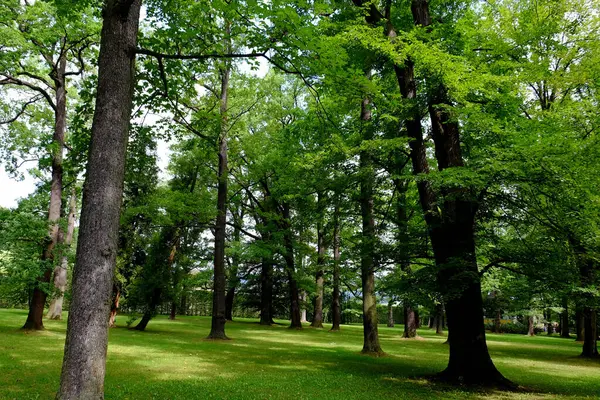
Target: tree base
x=31 y=326
x=334 y=330
x=298 y=328
x=317 y=326
x=217 y=336
x=490 y=379
x=373 y=353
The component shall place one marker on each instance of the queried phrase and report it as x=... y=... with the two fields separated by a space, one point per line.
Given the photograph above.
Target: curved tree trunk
x=336 y=307
x=38 y=299
x=60 y=272
x=84 y=361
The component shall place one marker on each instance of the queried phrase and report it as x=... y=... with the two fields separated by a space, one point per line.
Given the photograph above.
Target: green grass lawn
x=173 y=361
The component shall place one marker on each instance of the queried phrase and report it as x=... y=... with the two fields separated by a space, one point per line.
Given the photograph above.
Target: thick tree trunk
x=367 y=261
x=390 y=322
x=590 y=333
x=410 y=322
x=150 y=312
x=114 y=308
x=38 y=300
x=84 y=361
x=266 y=292
x=317 y=321
x=217 y=330
x=564 y=319
x=60 y=272
x=229 y=303
x=291 y=271
x=530 y=326
x=579 y=324
x=336 y=308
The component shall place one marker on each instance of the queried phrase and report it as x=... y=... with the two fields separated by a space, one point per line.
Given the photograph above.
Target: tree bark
x=266 y=292
x=173 y=313
x=84 y=360
x=217 y=330
x=336 y=309
x=390 y=322
x=291 y=270
x=590 y=333
x=579 y=324
x=367 y=260
x=564 y=319
x=530 y=326
x=410 y=322
x=38 y=300
x=497 y=321
x=317 y=321
x=60 y=272
x=303 y=307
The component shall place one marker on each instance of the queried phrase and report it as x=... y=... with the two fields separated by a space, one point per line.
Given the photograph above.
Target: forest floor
x=172 y=360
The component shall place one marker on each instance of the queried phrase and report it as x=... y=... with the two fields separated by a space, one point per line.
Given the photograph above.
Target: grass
x=172 y=360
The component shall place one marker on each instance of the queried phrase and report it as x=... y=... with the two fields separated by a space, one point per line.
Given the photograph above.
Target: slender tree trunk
x=60 y=272
x=367 y=262
x=291 y=271
x=84 y=361
x=390 y=322
x=217 y=330
x=150 y=312
x=266 y=292
x=38 y=299
x=183 y=307
x=439 y=319
x=336 y=309
x=173 y=312
x=550 y=329
x=303 y=307
x=317 y=321
x=564 y=319
x=497 y=321
x=114 y=308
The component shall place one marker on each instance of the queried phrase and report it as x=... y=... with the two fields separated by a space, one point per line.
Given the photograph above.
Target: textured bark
x=84 y=360
x=579 y=324
x=390 y=321
x=367 y=257
x=229 y=303
x=38 y=299
x=60 y=272
x=410 y=322
x=564 y=319
x=590 y=333
x=336 y=308
x=217 y=329
x=291 y=270
x=266 y=292
x=317 y=321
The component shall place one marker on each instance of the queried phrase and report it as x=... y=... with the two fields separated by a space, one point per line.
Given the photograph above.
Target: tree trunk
x=217 y=330
x=317 y=321
x=38 y=300
x=183 y=307
x=84 y=361
x=579 y=324
x=114 y=308
x=590 y=333
x=367 y=262
x=497 y=321
x=173 y=312
x=229 y=303
x=291 y=271
x=390 y=322
x=530 y=326
x=550 y=326
x=266 y=292
x=410 y=322
x=439 y=319
x=60 y=272
x=303 y=307
x=564 y=319
x=336 y=309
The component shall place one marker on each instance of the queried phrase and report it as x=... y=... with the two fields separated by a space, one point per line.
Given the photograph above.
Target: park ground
x=172 y=360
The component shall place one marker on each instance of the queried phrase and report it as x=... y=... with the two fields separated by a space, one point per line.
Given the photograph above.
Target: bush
x=512 y=327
